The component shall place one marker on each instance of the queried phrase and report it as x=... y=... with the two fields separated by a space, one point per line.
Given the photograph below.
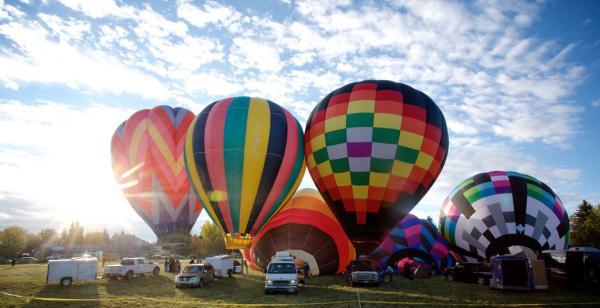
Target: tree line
x=15 y=241
x=585 y=225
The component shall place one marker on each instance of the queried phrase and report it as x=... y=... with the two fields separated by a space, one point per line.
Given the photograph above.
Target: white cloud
x=250 y=54
x=211 y=13
x=51 y=61
x=213 y=84
x=65 y=30
x=98 y=8
x=595 y=103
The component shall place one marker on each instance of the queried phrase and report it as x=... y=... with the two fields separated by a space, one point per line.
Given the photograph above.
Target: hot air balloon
x=148 y=163
x=373 y=149
x=501 y=212
x=306 y=227
x=416 y=239
x=244 y=156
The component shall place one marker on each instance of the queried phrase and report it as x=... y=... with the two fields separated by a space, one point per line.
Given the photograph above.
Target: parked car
x=26 y=260
x=281 y=274
x=361 y=272
x=576 y=266
x=130 y=267
x=195 y=275
x=67 y=271
x=478 y=272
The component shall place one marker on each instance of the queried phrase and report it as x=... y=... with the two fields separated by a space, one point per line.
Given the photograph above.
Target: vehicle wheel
x=156 y=271
x=296 y=292
x=267 y=292
x=229 y=273
x=201 y=283
x=450 y=277
x=376 y=284
x=129 y=275
x=65 y=282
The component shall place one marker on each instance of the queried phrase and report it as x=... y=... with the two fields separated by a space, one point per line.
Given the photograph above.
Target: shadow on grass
x=249 y=289
x=79 y=290
x=144 y=286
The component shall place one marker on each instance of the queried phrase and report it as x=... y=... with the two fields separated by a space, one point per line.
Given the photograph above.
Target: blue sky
x=517 y=82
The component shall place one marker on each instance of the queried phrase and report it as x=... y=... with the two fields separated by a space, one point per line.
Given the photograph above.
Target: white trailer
x=223 y=265
x=67 y=271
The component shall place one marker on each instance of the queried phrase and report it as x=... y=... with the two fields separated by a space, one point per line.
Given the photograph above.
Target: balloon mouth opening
x=503 y=244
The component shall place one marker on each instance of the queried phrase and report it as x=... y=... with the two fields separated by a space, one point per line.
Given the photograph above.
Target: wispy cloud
x=500 y=88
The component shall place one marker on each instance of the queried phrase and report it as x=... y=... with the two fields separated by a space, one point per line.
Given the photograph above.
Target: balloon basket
x=236 y=242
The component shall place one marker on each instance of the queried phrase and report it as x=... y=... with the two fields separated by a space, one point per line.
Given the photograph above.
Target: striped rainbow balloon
x=148 y=163
x=245 y=158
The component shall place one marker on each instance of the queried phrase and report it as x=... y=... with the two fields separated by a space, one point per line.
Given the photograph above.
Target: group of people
x=172 y=265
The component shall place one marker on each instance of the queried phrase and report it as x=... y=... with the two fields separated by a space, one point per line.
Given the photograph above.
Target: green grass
x=159 y=291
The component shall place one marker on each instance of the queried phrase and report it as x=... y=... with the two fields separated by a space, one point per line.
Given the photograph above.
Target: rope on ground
x=28 y=300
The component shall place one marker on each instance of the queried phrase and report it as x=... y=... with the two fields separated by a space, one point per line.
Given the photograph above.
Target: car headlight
x=269 y=282
x=292 y=281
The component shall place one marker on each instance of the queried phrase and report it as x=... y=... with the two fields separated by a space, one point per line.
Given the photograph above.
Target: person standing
x=244 y=265
x=166 y=265
x=306 y=271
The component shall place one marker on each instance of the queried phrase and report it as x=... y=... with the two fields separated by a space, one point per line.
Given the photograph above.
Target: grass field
x=244 y=290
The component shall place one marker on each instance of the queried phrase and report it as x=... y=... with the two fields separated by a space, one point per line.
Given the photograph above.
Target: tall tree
x=588 y=231
x=13 y=241
x=210 y=242
x=49 y=236
x=34 y=241
x=584 y=210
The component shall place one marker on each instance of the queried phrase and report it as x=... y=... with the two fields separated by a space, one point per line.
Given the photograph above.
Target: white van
x=67 y=271
x=223 y=265
x=281 y=274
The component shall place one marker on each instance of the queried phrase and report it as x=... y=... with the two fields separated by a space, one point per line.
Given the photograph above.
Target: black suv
x=470 y=272
x=573 y=267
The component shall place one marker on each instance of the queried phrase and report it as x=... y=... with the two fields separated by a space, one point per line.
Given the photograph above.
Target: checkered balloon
x=491 y=212
x=373 y=149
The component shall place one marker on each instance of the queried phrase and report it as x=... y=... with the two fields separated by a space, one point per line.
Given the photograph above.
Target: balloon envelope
x=490 y=212
x=245 y=159
x=416 y=239
x=373 y=149
x=148 y=163
x=307 y=228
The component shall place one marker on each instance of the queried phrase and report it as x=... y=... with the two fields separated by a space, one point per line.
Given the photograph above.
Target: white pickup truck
x=130 y=267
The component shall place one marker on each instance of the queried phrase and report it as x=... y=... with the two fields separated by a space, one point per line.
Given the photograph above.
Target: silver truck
x=361 y=272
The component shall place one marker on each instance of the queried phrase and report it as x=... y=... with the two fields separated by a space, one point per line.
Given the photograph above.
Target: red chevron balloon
x=148 y=163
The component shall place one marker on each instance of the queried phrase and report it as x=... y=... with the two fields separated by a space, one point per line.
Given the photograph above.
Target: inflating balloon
x=495 y=212
x=148 y=163
x=373 y=149
x=245 y=159
x=416 y=239
x=307 y=228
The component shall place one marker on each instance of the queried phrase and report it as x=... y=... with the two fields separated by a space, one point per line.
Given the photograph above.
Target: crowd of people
x=172 y=265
